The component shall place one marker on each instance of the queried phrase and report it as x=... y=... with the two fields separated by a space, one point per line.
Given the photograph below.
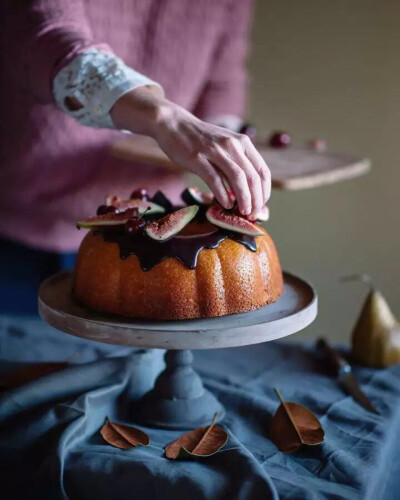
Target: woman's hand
x=215 y=154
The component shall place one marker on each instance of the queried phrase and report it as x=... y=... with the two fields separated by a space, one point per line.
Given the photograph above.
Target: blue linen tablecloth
x=50 y=446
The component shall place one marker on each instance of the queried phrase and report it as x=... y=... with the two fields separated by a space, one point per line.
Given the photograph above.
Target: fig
x=108 y=220
x=171 y=224
x=143 y=206
x=228 y=220
x=195 y=195
x=160 y=199
x=105 y=209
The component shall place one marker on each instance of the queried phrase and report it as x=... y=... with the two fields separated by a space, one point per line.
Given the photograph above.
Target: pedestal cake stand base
x=179 y=399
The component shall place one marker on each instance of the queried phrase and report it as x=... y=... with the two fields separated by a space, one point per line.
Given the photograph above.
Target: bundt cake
x=147 y=259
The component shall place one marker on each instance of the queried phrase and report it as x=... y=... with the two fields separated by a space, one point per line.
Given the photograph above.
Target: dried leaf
x=124 y=437
x=201 y=442
x=28 y=373
x=294 y=425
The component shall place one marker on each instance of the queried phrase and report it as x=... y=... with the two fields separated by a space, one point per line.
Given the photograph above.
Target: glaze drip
x=184 y=248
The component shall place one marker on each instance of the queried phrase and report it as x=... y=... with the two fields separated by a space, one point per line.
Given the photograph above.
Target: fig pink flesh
x=227 y=220
x=110 y=219
x=171 y=224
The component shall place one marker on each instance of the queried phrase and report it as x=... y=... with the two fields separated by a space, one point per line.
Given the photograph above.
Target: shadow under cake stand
x=179 y=399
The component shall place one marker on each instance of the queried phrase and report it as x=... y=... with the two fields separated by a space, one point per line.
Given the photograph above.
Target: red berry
x=132 y=226
x=105 y=209
x=279 y=140
x=140 y=194
x=249 y=130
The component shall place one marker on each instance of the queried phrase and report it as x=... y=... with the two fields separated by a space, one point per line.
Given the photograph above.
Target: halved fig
x=194 y=195
x=171 y=224
x=263 y=214
x=142 y=205
x=160 y=199
x=107 y=220
x=228 y=220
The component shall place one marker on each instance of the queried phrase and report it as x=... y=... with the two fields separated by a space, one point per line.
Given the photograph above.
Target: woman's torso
x=53 y=170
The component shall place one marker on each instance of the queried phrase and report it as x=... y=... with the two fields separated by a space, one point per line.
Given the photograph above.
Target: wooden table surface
x=291 y=168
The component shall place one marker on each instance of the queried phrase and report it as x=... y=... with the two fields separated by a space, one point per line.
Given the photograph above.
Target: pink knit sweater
x=53 y=170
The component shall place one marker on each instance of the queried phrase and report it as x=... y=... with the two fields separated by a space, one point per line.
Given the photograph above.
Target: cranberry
x=104 y=209
x=132 y=226
x=249 y=130
x=279 y=140
x=140 y=194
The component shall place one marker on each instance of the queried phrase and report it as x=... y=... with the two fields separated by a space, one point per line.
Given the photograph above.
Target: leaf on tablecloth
x=124 y=437
x=201 y=442
x=294 y=425
x=28 y=373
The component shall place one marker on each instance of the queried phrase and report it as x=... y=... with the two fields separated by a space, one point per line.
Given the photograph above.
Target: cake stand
x=179 y=399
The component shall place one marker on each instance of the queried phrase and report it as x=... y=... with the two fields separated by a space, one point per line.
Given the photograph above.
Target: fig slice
x=263 y=214
x=107 y=220
x=194 y=195
x=171 y=224
x=228 y=220
x=160 y=199
x=142 y=205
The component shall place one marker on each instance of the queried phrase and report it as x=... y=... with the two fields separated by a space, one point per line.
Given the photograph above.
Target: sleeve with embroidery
x=47 y=36
x=91 y=83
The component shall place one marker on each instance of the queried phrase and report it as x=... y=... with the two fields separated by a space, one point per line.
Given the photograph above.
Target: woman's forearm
x=217 y=155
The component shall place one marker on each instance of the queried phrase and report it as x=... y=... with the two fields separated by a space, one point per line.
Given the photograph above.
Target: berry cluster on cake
x=145 y=258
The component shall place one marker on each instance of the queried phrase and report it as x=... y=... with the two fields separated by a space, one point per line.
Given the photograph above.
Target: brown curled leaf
x=122 y=436
x=293 y=426
x=201 y=442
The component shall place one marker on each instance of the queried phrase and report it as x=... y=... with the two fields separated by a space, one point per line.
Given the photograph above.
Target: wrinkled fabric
x=51 y=447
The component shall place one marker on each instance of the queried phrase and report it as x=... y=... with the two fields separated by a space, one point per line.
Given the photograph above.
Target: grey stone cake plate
x=179 y=400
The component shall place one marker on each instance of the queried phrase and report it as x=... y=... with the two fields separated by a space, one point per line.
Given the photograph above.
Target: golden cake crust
x=228 y=279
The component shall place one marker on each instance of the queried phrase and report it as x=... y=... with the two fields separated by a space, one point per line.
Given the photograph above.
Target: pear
x=376 y=335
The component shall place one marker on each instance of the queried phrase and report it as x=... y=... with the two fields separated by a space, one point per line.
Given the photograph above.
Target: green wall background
x=332 y=69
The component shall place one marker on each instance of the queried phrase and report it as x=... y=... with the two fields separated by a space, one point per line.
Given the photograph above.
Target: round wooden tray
x=295 y=310
x=291 y=168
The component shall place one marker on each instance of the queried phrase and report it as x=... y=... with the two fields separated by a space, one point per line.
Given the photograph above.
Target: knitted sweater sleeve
x=225 y=90
x=58 y=60
x=46 y=36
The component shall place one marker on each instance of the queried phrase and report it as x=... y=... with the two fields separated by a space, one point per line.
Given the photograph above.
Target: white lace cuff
x=91 y=83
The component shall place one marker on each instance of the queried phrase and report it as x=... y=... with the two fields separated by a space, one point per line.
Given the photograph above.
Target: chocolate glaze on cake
x=184 y=248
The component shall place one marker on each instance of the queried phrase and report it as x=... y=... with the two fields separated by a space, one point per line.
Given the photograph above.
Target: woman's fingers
x=262 y=169
x=253 y=178
x=210 y=175
x=237 y=180
x=230 y=157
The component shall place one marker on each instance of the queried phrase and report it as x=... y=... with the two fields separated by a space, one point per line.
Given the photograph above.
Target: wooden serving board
x=291 y=168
